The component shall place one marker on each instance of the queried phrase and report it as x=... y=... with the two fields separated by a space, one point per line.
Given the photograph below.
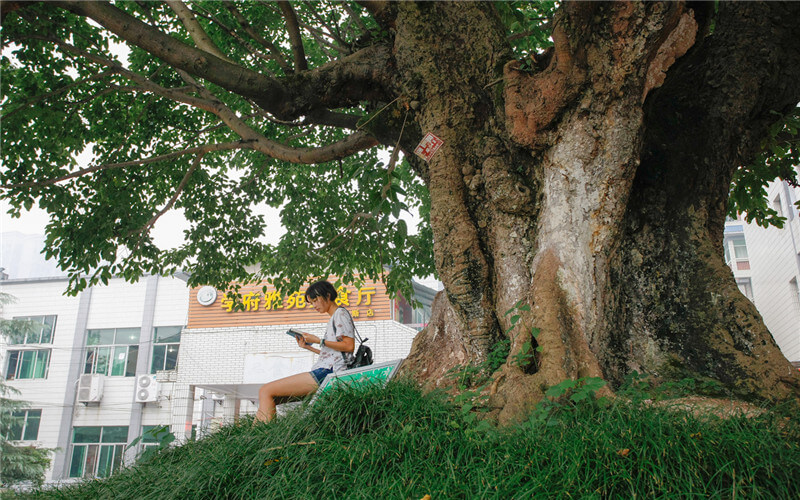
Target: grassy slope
x=398 y=443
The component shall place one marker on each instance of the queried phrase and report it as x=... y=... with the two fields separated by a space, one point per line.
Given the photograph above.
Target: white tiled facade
x=218 y=373
x=768 y=271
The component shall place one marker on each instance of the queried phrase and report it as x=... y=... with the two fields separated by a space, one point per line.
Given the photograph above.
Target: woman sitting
x=335 y=352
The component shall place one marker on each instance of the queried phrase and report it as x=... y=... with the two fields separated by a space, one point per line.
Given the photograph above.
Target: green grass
x=398 y=443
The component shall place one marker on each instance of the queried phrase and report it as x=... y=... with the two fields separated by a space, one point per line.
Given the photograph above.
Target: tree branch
x=195 y=164
x=524 y=34
x=333 y=33
x=198 y=34
x=200 y=150
x=324 y=44
x=144 y=230
x=173 y=94
x=344 y=82
x=275 y=52
x=350 y=228
x=319 y=37
x=346 y=147
x=66 y=88
x=382 y=11
x=354 y=17
x=230 y=31
x=293 y=28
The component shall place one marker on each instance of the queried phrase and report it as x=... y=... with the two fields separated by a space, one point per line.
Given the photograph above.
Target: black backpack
x=362 y=355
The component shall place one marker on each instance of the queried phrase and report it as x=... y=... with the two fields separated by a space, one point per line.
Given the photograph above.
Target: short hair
x=321 y=288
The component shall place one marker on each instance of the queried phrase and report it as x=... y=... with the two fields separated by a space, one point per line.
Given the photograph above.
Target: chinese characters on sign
x=272 y=300
x=428 y=146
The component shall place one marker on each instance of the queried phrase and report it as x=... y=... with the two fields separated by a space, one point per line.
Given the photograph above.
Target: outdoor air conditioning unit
x=90 y=388
x=146 y=389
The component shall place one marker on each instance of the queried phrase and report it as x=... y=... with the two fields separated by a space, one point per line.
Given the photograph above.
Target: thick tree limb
x=342 y=83
x=198 y=34
x=293 y=27
x=346 y=147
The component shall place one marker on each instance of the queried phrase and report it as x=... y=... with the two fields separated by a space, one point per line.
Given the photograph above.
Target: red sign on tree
x=428 y=146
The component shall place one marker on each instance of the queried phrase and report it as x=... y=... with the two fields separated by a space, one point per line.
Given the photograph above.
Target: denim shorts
x=320 y=373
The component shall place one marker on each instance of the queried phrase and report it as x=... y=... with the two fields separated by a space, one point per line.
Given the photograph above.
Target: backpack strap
x=355 y=330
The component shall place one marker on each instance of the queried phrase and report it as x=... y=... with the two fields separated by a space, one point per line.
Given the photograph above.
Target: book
x=294 y=333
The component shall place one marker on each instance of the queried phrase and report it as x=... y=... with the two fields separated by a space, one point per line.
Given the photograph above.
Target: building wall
x=35 y=298
x=217 y=355
x=118 y=305
x=774 y=260
x=205 y=391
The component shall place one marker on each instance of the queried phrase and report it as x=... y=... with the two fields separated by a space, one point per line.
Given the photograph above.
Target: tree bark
x=674 y=307
x=544 y=193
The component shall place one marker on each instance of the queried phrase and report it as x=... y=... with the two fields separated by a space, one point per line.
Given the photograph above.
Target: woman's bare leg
x=301 y=384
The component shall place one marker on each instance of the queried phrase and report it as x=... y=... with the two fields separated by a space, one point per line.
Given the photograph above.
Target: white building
x=766 y=265
x=117 y=361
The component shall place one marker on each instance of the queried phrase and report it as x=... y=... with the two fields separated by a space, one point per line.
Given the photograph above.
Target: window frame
x=14 y=356
x=44 y=322
x=107 y=354
x=26 y=420
x=163 y=353
x=745 y=286
x=97 y=454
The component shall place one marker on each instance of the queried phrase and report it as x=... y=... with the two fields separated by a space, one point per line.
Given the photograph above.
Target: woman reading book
x=335 y=351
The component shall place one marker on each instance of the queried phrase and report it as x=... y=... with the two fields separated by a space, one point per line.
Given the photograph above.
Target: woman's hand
x=310 y=339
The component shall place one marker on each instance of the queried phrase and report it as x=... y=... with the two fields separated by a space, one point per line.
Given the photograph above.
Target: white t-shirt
x=339 y=326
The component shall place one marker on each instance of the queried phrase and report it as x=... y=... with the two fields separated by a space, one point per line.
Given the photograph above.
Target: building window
x=112 y=351
x=31 y=330
x=28 y=364
x=166 y=341
x=740 y=252
x=746 y=287
x=24 y=425
x=790 y=201
x=795 y=291
x=97 y=451
x=151 y=435
x=777 y=206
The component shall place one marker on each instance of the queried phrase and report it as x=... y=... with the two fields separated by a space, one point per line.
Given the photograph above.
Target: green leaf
x=561 y=388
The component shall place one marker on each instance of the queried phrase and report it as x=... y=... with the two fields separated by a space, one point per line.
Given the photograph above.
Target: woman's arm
x=347 y=344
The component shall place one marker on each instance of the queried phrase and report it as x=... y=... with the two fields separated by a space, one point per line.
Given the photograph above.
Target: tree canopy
x=214 y=107
x=587 y=153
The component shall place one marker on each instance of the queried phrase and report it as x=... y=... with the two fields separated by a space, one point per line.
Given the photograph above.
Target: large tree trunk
x=592 y=195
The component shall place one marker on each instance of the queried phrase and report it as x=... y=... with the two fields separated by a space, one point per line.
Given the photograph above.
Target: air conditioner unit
x=90 y=388
x=146 y=389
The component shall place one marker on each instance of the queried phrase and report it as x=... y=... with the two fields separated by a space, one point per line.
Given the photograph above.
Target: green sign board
x=373 y=374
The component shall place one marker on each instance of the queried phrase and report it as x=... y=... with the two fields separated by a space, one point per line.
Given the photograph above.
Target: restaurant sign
x=258 y=306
